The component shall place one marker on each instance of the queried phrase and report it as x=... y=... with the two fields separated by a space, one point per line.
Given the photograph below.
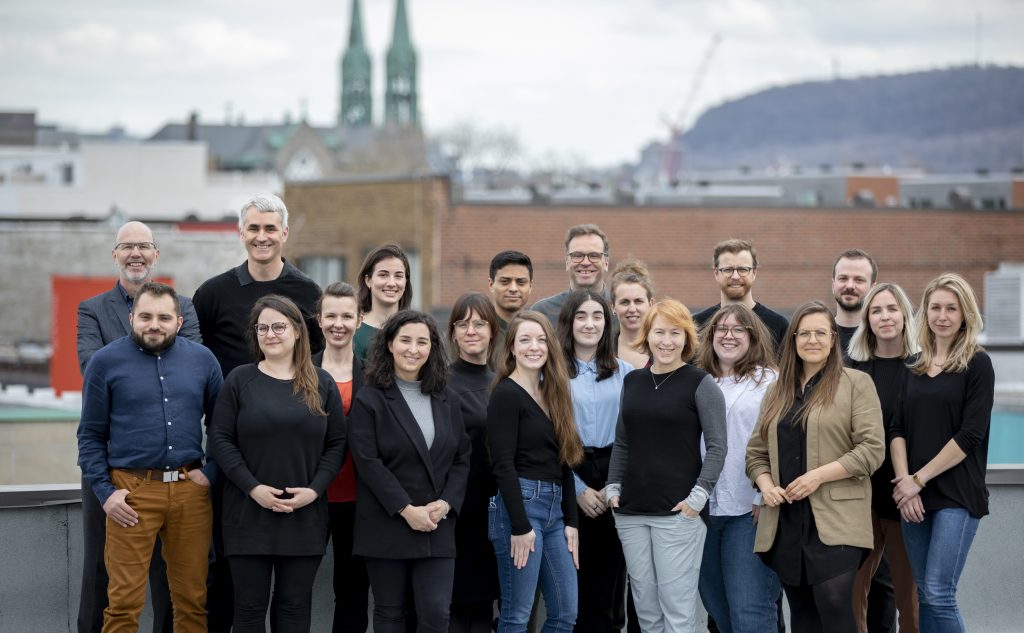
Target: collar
x=124 y=294
x=244 y=278
x=583 y=367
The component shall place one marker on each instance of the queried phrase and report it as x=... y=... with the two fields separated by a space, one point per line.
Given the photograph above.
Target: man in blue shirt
x=140 y=446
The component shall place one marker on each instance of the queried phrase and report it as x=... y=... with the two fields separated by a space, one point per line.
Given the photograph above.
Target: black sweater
x=263 y=434
x=955 y=406
x=522 y=443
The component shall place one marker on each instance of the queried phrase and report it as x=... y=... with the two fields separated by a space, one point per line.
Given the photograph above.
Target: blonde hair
x=965 y=344
x=678 y=315
x=864 y=342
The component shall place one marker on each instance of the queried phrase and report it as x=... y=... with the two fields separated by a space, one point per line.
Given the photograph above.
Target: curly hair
x=380 y=362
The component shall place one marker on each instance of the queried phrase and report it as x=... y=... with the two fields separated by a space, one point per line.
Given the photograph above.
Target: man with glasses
x=734 y=265
x=101 y=320
x=586 y=261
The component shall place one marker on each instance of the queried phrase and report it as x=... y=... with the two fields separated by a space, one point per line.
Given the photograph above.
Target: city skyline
x=589 y=82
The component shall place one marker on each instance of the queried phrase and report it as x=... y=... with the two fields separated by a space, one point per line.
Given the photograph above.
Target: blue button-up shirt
x=596 y=406
x=143 y=410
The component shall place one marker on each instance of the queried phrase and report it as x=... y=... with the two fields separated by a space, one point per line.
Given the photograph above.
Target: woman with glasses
x=473 y=333
x=737 y=589
x=411 y=452
x=881 y=346
x=584 y=331
x=940 y=447
x=658 y=482
x=534 y=445
x=818 y=437
x=278 y=433
x=632 y=297
x=385 y=288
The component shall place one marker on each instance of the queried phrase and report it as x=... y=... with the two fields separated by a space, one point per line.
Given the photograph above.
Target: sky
x=582 y=81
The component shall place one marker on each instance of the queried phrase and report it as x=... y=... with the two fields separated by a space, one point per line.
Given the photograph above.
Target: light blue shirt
x=595 y=405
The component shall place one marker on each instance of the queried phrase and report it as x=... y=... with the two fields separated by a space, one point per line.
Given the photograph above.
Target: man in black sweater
x=222 y=304
x=853 y=274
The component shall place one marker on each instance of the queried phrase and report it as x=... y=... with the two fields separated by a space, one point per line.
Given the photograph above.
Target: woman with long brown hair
x=278 y=433
x=534 y=445
x=385 y=287
x=818 y=438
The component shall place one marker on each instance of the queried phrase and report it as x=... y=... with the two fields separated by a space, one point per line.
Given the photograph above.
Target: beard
x=153 y=347
x=854 y=307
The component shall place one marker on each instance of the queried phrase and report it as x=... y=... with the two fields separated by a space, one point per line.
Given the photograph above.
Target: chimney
x=192 y=131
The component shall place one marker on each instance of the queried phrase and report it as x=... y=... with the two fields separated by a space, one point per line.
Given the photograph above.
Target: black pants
x=431 y=582
x=220 y=592
x=293 y=578
x=826 y=607
x=351 y=584
x=471 y=617
x=602 y=575
x=93 y=599
x=882 y=600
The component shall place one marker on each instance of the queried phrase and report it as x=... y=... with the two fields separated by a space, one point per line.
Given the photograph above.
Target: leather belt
x=162 y=475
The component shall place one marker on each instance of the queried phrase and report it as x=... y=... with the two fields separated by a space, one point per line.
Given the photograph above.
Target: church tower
x=400 y=99
x=356 y=99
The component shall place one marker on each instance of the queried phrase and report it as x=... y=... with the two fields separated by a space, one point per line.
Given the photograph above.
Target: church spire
x=400 y=97
x=356 y=108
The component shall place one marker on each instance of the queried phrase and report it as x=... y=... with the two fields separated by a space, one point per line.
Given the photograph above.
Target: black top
x=936 y=410
x=775 y=322
x=262 y=433
x=522 y=443
x=797 y=555
x=476 y=570
x=223 y=304
x=845 y=334
x=889 y=374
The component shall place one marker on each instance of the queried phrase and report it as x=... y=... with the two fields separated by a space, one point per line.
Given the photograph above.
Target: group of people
x=614 y=453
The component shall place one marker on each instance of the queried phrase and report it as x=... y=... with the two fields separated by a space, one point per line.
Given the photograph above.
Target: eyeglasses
x=806 y=335
x=737 y=331
x=594 y=257
x=279 y=328
x=478 y=324
x=127 y=247
x=742 y=271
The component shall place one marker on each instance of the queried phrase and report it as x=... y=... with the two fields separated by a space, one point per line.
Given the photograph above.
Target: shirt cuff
x=697 y=499
x=580 y=486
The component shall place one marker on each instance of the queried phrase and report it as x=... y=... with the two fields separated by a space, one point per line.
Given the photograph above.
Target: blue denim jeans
x=737 y=589
x=550 y=564
x=937 y=548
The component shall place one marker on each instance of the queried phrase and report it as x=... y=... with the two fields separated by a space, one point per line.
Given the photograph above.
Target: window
x=323 y=269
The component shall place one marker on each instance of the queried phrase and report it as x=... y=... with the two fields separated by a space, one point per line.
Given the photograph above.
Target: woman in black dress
x=473 y=331
x=278 y=433
x=411 y=454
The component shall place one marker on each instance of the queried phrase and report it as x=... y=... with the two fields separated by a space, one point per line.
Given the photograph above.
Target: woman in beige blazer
x=818 y=438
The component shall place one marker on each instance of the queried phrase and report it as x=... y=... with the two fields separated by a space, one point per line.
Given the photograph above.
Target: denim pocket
x=530 y=490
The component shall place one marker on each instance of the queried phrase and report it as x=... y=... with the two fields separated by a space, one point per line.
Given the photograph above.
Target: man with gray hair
x=223 y=304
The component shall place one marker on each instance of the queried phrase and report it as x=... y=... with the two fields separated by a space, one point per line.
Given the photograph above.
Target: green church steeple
x=400 y=97
x=356 y=97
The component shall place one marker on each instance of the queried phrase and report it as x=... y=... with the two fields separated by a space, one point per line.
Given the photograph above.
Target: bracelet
x=917 y=480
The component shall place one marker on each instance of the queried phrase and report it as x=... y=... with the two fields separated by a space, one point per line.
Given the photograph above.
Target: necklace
x=657 y=385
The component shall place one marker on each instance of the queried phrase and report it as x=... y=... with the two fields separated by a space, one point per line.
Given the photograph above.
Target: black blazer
x=394 y=468
x=358 y=372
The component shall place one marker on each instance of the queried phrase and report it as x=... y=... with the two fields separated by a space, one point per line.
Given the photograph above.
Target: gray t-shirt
x=419 y=404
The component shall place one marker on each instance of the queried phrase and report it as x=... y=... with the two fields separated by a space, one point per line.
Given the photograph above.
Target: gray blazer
x=104 y=318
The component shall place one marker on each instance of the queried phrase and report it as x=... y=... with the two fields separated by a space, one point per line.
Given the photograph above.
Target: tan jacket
x=848 y=431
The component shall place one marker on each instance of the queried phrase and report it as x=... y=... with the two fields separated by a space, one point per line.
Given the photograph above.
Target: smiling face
x=263 y=236
x=731 y=341
x=154 y=322
x=735 y=286
x=339 y=318
x=277 y=342
x=586 y=273
x=945 y=315
x=387 y=282
x=666 y=342
x=885 y=317
x=511 y=289
x=410 y=349
x=851 y=282
x=530 y=346
x=814 y=339
x=472 y=336
x=134 y=253
x=587 y=327
x=631 y=304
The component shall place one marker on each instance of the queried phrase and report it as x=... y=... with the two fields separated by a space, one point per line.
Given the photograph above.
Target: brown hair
x=856 y=253
x=554 y=387
x=586 y=229
x=338 y=289
x=632 y=271
x=306 y=383
x=678 y=315
x=735 y=247
x=782 y=393
x=464 y=306
x=759 y=355
x=374 y=257
x=157 y=289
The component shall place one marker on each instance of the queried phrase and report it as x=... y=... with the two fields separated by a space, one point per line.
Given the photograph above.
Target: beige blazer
x=848 y=431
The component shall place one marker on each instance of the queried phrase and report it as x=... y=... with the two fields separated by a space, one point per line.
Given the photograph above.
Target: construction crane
x=671 y=159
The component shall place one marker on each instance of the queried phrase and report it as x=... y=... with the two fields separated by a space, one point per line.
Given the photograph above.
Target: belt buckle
x=170 y=475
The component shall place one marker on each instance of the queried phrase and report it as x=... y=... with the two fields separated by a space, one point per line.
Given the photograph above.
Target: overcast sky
x=589 y=80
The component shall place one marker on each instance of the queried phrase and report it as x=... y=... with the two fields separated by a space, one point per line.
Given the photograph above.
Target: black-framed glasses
x=127 y=247
x=279 y=328
x=577 y=257
x=737 y=331
x=742 y=271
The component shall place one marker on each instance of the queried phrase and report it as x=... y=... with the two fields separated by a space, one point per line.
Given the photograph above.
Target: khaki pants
x=888 y=536
x=180 y=513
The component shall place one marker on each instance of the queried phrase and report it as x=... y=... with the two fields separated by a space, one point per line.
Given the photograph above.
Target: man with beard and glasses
x=140 y=447
x=853 y=274
x=101 y=320
x=734 y=265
